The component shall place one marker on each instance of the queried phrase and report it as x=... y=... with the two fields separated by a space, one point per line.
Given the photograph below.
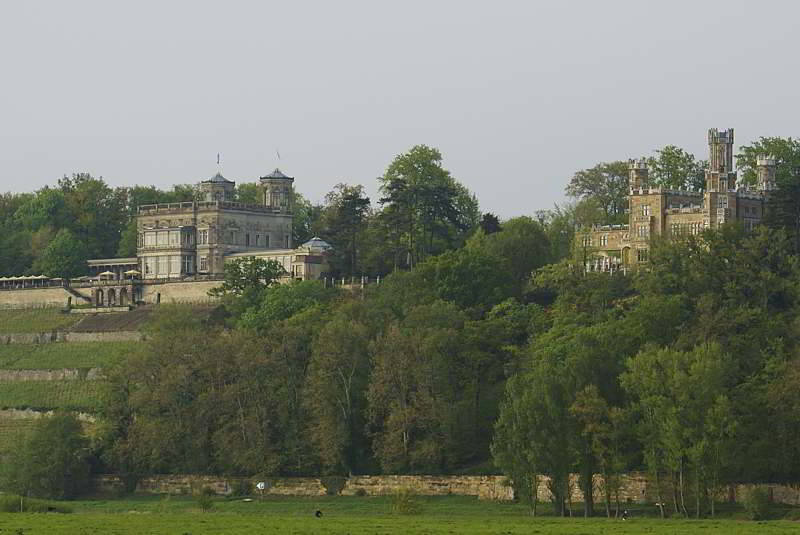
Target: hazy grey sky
x=516 y=95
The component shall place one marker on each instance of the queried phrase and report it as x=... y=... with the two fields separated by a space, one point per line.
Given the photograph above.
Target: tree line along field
x=353 y=515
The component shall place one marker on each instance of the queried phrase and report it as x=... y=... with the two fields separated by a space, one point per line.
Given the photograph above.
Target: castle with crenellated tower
x=657 y=211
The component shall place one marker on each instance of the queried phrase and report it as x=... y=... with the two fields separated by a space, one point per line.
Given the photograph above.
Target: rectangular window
x=247 y=239
x=174 y=265
x=266 y=240
x=641 y=255
x=202 y=237
x=174 y=237
x=188 y=262
x=203 y=263
x=258 y=240
x=645 y=209
x=643 y=231
x=604 y=239
x=286 y=241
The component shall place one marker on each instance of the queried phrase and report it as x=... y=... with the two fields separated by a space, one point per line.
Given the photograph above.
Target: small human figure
x=318 y=514
x=624 y=514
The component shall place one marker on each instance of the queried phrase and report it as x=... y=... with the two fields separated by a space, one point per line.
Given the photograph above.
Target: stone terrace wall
x=34 y=297
x=64 y=336
x=179 y=292
x=90 y=374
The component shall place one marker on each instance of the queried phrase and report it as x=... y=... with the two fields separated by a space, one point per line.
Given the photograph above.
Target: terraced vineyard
x=64 y=355
x=77 y=395
x=11 y=429
x=35 y=320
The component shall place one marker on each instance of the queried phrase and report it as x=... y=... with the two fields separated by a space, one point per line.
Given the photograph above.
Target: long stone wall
x=152 y=292
x=634 y=487
x=484 y=487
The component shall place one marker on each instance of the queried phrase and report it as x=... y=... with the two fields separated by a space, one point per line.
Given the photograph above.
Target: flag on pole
x=217 y=158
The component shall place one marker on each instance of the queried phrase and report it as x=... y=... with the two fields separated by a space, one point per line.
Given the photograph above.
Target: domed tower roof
x=316 y=244
x=218 y=179
x=277 y=174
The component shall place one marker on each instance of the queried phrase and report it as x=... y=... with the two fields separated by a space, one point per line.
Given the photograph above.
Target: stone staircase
x=77 y=295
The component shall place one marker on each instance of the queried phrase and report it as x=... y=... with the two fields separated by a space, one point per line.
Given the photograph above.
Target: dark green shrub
x=405 y=502
x=361 y=492
x=205 y=501
x=756 y=503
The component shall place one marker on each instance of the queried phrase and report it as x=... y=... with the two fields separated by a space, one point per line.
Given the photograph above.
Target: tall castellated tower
x=720 y=175
x=766 y=167
x=638 y=175
x=720 y=195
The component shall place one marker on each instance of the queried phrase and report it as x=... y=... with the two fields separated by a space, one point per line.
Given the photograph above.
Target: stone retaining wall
x=178 y=292
x=65 y=336
x=484 y=487
x=52 y=375
x=34 y=298
x=30 y=414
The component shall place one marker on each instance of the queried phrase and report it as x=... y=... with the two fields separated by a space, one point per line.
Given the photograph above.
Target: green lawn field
x=351 y=515
x=64 y=355
x=35 y=320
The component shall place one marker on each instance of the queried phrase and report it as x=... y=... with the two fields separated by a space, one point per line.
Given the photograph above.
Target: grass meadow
x=353 y=515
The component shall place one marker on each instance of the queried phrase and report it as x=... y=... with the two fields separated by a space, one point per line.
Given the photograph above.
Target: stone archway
x=626 y=256
x=99 y=298
x=123 y=297
x=112 y=297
